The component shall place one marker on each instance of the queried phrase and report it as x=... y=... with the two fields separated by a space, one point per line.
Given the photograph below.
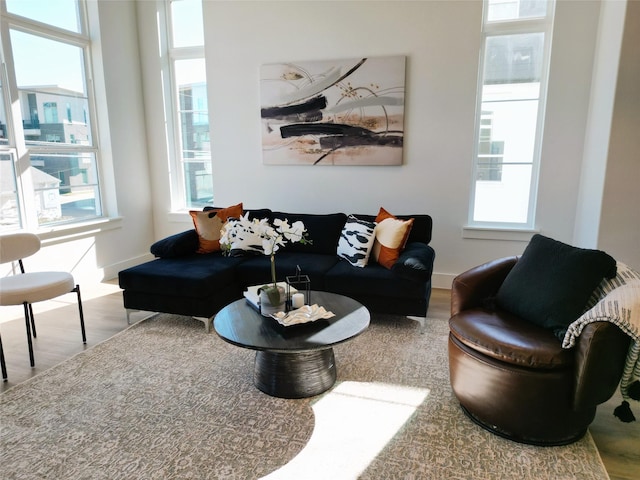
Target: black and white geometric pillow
x=356 y=241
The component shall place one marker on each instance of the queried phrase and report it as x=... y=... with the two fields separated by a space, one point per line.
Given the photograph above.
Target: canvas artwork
x=338 y=112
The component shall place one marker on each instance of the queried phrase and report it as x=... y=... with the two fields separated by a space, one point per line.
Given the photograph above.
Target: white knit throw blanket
x=616 y=300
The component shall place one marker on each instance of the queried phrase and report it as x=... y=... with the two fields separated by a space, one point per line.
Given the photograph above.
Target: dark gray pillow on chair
x=552 y=282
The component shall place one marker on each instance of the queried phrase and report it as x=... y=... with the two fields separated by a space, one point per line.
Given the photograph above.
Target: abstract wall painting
x=338 y=112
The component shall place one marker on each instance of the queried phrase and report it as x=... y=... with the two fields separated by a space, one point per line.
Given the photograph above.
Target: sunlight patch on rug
x=353 y=424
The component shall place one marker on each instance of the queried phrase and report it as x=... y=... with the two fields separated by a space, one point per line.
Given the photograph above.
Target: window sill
x=499 y=233
x=179 y=216
x=62 y=233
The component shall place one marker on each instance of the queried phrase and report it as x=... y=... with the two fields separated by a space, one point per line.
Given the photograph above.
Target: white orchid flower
x=268 y=247
x=278 y=222
x=272 y=236
x=295 y=232
x=271 y=245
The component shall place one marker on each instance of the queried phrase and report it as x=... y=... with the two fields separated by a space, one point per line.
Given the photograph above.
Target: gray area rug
x=164 y=400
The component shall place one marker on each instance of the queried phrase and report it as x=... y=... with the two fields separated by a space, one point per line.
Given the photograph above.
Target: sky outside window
x=59 y=13
x=187 y=28
x=40 y=61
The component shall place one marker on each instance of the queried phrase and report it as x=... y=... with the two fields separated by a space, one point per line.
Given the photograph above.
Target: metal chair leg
x=29 y=342
x=84 y=335
x=33 y=321
x=3 y=365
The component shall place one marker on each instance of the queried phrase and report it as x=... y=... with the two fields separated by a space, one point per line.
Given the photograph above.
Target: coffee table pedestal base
x=294 y=375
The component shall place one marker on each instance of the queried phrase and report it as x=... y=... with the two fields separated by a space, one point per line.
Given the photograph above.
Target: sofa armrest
x=415 y=262
x=474 y=287
x=178 y=245
x=600 y=354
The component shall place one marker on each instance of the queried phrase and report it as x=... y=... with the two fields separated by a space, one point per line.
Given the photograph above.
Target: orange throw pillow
x=209 y=223
x=391 y=237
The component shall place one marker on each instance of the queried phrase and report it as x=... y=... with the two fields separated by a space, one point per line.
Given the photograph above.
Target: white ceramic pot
x=266 y=308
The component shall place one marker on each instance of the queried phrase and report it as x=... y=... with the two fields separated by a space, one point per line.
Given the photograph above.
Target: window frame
x=177 y=184
x=498 y=28
x=17 y=143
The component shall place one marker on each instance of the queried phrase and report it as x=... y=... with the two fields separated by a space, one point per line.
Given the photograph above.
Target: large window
x=514 y=64
x=192 y=182
x=48 y=151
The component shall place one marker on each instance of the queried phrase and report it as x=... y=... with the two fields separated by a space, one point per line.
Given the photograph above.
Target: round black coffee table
x=295 y=361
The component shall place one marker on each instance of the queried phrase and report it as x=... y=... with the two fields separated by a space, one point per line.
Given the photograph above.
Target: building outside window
x=511 y=98
x=49 y=162
x=50 y=112
x=192 y=181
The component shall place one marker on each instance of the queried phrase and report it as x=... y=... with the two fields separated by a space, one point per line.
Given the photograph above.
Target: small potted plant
x=271 y=238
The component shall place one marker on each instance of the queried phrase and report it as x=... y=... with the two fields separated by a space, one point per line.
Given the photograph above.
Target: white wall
x=620 y=225
x=570 y=79
x=605 y=73
x=131 y=169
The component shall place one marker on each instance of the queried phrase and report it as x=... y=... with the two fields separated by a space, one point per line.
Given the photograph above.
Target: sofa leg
x=129 y=312
x=208 y=322
x=421 y=320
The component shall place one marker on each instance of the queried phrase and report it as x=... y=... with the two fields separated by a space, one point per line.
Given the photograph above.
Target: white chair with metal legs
x=27 y=288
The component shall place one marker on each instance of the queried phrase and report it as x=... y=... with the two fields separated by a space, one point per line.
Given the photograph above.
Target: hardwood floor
x=59 y=338
x=58 y=329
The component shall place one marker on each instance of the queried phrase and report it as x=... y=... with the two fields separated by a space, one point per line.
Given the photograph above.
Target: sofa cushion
x=257 y=270
x=258 y=213
x=510 y=339
x=415 y=262
x=323 y=231
x=552 y=282
x=392 y=234
x=421 y=228
x=208 y=224
x=178 y=245
x=193 y=275
x=356 y=241
x=372 y=280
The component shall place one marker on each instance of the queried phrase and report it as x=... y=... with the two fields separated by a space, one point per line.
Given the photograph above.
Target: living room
x=588 y=172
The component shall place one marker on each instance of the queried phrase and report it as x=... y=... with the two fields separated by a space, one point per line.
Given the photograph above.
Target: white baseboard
x=110 y=272
x=442 y=280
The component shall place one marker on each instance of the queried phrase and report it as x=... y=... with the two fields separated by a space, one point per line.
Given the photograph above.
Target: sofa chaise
x=182 y=281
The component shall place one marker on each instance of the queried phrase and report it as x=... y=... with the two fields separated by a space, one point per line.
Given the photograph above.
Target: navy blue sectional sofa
x=183 y=282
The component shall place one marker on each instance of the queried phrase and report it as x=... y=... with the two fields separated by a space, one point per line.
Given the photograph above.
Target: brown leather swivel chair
x=514 y=378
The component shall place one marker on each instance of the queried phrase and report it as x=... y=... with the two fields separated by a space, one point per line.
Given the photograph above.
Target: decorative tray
x=304 y=314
